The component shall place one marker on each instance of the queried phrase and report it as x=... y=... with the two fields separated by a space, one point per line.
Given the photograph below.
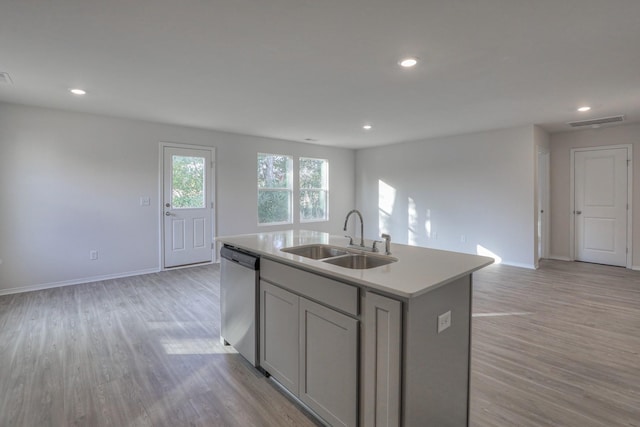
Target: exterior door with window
x=601 y=203
x=187 y=206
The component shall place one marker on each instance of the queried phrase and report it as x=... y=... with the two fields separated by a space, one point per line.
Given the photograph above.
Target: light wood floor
x=559 y=346
x=571 y=358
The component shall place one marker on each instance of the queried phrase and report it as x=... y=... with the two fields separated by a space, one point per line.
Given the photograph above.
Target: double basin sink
x=342 y=257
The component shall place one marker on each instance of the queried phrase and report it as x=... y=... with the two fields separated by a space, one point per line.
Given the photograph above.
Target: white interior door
x=601 y=203
x=187 y=206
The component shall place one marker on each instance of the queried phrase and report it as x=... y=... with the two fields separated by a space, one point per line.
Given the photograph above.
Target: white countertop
x=418 y=270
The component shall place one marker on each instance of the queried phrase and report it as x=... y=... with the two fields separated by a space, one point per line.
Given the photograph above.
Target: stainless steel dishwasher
x=239 y=277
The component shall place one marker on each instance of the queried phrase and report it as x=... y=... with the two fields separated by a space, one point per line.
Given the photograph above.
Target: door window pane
x=188 y=175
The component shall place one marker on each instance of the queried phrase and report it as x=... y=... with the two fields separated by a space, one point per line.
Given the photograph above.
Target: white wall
x=432 y=192
x=71 y=182
x=561 y=145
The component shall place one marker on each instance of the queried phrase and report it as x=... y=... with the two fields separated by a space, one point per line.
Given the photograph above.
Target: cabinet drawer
x=330 y=292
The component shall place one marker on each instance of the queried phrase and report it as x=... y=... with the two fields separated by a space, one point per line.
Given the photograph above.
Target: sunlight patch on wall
x=412 y=231
x=386 y=200
x=427 y=224
x=481 y=250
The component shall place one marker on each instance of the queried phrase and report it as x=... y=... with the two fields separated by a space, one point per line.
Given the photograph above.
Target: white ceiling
x=320 y=69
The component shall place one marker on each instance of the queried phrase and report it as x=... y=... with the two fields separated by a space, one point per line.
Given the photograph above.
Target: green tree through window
x=274 y=188
x=314 y=183
x=188 y=182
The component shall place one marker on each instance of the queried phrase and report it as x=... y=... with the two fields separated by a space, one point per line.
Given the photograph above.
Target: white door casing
x=187 y=205
x=543 y=204
x=601 y=203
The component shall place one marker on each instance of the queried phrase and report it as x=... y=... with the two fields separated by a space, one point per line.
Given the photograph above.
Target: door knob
x=168 y=205
x=578 y=212
x=168 y=213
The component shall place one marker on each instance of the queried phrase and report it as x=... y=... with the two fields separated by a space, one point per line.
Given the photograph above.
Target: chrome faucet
x=387 y=243
x=346 y=220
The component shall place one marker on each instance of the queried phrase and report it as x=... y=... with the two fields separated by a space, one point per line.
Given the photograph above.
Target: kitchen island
x=382 y=346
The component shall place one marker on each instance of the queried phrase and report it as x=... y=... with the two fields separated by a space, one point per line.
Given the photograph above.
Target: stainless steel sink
x=360 y=261
x=315 y=251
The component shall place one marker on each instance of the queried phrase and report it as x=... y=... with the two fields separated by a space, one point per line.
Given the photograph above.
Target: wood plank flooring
x=139 y=351
x=567 y=355
x=559 y=346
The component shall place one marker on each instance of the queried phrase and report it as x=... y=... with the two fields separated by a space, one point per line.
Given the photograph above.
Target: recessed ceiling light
x=76 y=91
x=367 y=127
x=583 y=109
x=408 y=62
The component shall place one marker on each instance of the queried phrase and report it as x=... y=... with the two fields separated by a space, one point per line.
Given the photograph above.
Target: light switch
x=145 y=201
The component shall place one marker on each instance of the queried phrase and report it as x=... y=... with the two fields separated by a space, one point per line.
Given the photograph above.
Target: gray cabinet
x=279 y=334
x=329 y=363
x=381 y=363
x=311 y=348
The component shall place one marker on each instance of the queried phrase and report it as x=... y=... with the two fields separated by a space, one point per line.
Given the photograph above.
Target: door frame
x=572 y=226
x=214 y=207
x=543 y=202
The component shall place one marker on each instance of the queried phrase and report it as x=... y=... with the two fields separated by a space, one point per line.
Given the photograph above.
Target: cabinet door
x=329 y=363
x=279 y=335
x=381 y=361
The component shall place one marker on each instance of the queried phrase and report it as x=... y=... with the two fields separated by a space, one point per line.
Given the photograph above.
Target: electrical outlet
x=463 y=239
x=93 y=255
x=444 y=321
x=145 y=201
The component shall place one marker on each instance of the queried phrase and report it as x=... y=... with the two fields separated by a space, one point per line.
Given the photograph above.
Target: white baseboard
x=635 y=267
x=560 y=258
x=517 y=264
x=76 y=281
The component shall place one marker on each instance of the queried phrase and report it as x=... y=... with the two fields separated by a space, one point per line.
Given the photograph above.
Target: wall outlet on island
x=93 y=255
x=444 y=321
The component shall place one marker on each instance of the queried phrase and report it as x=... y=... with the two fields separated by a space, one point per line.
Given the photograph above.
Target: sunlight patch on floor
x=513 y=313
x=195 y=346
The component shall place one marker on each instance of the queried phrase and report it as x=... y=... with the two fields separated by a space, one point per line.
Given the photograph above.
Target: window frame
x=325 y=189
x=289 y=189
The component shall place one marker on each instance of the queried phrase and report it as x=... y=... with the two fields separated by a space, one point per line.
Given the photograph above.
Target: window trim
x=289 y=189
x=325 y=189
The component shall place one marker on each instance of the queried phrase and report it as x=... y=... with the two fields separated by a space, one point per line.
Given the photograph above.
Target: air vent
x=599 y=121
x=5 y=78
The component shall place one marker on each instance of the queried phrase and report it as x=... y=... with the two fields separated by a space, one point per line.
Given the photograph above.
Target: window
x=314 y=186
x=275 y=189
x=188 y=178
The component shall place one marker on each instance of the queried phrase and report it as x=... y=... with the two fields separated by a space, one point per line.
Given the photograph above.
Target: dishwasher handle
x=239 y=257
